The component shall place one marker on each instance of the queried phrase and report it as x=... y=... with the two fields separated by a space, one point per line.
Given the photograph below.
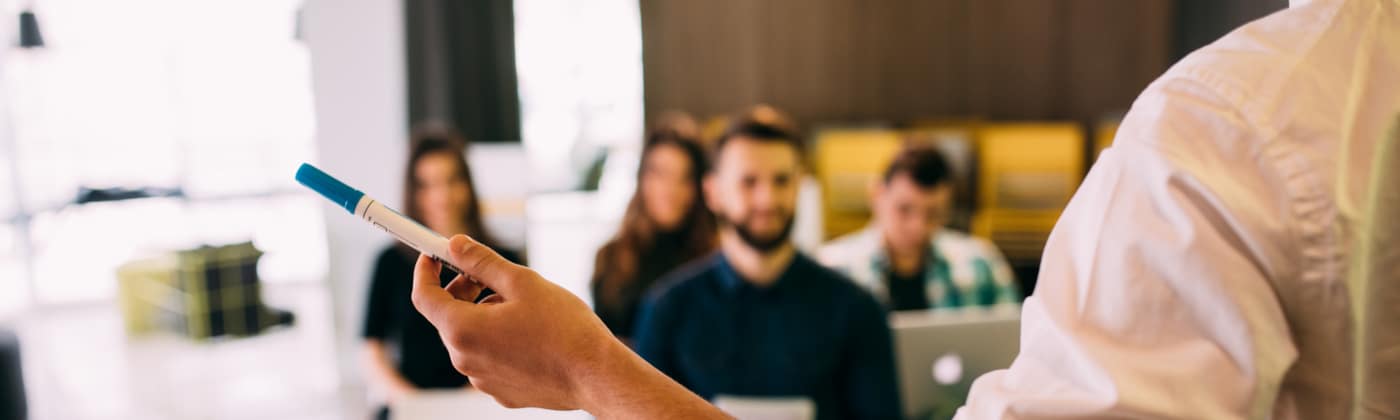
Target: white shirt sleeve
x=1154 y=297
x=1376 y=277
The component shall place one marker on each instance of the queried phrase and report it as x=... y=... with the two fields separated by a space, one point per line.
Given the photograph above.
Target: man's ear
x=874 y=190
x=712 y=197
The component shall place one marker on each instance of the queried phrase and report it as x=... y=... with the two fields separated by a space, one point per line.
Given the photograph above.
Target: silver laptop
x=469 y=404
x=940 y=352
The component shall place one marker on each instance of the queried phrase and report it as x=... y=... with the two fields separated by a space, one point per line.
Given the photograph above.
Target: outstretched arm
x=534 y=344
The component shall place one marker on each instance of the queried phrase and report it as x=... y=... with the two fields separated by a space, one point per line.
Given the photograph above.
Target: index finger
x=485 y=265
x=430 y=299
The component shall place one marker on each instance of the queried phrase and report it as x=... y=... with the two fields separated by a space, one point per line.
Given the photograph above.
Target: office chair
x=846 y=161
x=1026 y=174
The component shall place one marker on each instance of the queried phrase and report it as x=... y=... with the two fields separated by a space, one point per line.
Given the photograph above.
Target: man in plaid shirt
x=906 y=258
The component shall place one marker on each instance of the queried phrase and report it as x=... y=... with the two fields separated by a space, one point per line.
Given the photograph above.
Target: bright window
x=579 y=91
x=210 y=98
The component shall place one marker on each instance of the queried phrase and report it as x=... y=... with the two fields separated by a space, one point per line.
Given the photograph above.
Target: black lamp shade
x=29 y=36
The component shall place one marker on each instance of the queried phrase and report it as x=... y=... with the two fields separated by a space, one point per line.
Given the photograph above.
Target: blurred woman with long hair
x=403 y=352
x=666 y=225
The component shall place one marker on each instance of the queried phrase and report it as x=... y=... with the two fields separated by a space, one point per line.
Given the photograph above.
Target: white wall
x=579 y=66
x=357 y=62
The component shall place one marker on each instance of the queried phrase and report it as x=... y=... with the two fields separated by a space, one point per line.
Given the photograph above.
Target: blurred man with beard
x=758 y=318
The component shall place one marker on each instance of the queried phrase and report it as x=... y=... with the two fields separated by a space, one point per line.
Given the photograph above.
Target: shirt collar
x=732 y=282
x=881 y=261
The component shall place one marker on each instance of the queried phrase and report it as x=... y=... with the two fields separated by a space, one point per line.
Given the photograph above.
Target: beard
x=760 y=243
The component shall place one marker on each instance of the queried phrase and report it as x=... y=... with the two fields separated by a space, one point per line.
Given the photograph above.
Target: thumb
x=484 y=265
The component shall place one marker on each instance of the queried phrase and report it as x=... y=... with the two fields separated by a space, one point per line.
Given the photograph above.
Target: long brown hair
x=617 y=263
x=427 y=140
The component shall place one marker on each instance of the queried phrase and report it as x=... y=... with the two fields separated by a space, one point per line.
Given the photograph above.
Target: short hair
x=761 y=123
x=924 y=165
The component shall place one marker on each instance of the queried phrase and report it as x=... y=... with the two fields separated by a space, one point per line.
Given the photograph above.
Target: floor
x=80 y=365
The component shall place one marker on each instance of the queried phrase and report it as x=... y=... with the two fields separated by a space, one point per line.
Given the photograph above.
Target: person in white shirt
x=906 y=257
x=1201 y=271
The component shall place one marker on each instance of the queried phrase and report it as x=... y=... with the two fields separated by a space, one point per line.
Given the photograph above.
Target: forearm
x=381 y=369
x=624 y=386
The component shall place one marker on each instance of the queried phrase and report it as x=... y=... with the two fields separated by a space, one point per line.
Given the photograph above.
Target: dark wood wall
x=901 y=60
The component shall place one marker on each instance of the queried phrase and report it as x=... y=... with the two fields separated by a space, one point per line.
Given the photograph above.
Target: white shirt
x=1201 y=269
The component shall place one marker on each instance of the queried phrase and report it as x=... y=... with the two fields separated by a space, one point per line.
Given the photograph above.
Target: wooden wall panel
x=701 y=55
x=899 y=60
x=1109 y=65
x=810 y=53
x=911 y=80
x=1013 y=58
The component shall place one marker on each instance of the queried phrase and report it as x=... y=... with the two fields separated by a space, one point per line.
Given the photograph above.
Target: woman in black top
x=403 y=351
x=667 y=224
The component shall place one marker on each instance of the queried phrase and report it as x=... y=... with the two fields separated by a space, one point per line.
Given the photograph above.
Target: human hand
x=534 y=344
x=529 y=344
x=400 y=392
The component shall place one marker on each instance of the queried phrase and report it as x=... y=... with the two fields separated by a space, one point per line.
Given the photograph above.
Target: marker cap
x=329 y=187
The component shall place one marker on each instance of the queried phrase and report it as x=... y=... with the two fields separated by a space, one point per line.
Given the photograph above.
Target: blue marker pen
x=357 y=203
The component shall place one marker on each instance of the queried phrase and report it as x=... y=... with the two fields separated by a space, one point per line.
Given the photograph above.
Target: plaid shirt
x=966 y=270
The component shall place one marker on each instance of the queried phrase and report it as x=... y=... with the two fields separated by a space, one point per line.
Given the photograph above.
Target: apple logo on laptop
x=947 y=369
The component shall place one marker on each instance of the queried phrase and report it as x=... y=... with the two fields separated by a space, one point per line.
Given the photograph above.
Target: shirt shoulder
x=961 y=248
x=852 y=248
x=684 y=280
x=1244 y=78
x=831 y=280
